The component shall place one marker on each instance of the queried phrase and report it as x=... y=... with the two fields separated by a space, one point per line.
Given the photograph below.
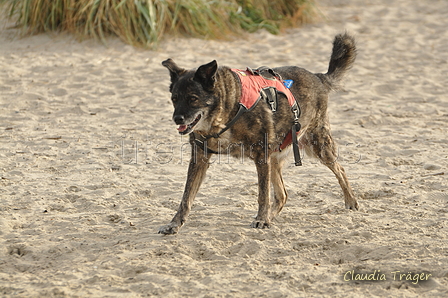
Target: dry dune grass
x=144 y=23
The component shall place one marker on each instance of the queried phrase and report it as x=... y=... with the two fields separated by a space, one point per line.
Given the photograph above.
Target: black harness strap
x=269 y=94
x=271 y=98
x=202 y=140
x=295 y=129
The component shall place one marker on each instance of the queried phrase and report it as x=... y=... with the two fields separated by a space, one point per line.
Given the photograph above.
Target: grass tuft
x=145 y=22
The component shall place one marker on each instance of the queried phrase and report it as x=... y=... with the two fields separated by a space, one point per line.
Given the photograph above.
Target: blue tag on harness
x=288 y=83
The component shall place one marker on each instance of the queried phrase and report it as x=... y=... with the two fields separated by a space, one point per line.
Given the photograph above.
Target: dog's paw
x=260 y=224
x=352 y=205
x=169 y=229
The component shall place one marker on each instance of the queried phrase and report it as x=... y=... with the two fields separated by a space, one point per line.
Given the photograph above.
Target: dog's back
x=312 y=90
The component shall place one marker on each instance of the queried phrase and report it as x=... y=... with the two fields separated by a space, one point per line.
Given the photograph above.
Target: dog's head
x=191 y=94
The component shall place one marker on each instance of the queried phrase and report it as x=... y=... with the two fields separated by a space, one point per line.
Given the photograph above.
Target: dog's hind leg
x=280 y=194
x=324 y=148
x=196 y=174
x=263 y=219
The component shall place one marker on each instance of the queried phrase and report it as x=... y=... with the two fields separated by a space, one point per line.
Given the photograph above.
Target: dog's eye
x=173 y=99
x=193 y=98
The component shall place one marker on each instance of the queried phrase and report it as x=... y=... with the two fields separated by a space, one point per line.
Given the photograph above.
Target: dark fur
x=212 y=94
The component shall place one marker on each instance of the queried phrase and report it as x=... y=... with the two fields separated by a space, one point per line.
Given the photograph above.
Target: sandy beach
x=91 y=165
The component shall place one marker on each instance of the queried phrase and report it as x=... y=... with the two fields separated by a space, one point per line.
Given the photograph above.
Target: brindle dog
x=207 y=99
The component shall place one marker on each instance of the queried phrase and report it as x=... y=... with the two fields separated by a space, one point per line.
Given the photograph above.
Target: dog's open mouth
x=185 y=129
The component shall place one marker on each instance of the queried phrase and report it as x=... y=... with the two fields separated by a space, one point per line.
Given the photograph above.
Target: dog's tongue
x=182 y=128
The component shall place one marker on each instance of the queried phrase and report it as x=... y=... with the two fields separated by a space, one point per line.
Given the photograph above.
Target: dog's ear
x=175 y=71
x=206 y=75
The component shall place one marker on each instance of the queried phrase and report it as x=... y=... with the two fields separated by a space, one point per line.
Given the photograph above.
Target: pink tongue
x=182 y=128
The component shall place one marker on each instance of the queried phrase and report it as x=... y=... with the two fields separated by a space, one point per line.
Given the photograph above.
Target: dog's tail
x=342 y=59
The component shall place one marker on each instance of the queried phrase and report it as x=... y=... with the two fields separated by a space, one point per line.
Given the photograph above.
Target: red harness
x=251 y=86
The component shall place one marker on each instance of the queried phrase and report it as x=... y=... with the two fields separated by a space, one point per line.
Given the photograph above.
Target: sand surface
x=91 y=165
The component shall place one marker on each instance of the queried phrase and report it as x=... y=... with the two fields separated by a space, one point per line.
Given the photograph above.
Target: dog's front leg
x=196 y=174
x=263 y=219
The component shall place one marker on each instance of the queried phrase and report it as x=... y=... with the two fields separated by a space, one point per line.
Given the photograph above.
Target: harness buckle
x=270 y=95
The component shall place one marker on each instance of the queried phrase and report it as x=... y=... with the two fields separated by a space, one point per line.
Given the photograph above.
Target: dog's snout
x=179 y=119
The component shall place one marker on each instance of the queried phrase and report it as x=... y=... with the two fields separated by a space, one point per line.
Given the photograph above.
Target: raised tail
x=342 y=58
